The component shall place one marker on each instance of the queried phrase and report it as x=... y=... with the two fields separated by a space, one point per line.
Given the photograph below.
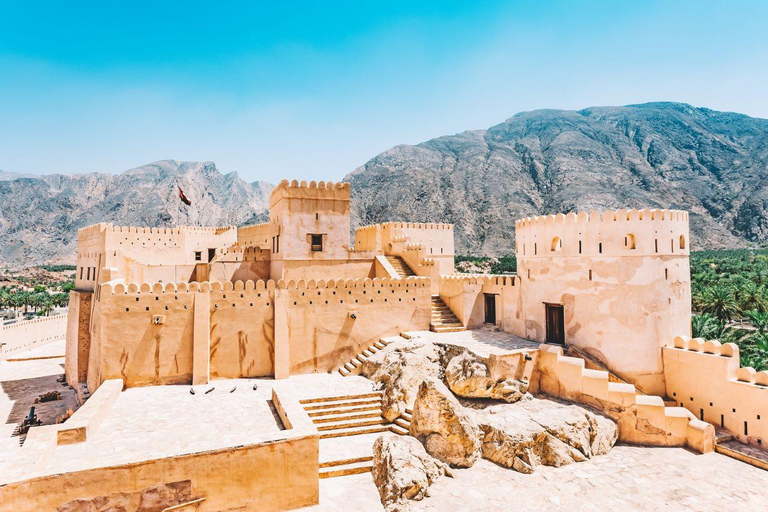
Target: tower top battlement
x=324 y=190
x=607 y=233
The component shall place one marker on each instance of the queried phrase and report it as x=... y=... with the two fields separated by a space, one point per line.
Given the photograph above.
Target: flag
x=184 y=198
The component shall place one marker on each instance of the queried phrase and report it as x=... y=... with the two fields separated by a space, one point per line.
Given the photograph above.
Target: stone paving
x=629 y=478
x=22 y=381
x=483 y=342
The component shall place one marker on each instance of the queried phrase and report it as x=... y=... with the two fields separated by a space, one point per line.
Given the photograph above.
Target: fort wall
x=148 y=334
x=28 y=334
x=705 y=377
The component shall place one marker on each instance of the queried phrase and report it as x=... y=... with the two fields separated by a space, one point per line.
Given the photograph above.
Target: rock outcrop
x=400 y=370
x=446 y=429
x=541 y=432
x=469 y=376
x=402 y=470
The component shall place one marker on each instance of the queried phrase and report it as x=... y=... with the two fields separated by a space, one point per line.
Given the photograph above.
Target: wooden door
x=490 y=308
x=555 y=324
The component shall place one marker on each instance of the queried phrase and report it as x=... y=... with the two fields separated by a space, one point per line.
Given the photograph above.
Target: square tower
x=310 y=225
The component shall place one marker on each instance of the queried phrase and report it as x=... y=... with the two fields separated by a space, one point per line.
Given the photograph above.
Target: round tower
x=614 y=285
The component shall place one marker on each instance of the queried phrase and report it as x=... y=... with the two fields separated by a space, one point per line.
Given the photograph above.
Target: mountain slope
x=657 y=155
x=40 y=215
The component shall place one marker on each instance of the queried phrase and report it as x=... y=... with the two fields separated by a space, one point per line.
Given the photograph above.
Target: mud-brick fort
x=245 y=368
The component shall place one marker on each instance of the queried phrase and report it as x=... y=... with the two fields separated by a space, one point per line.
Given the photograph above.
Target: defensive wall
x=705 y=377
x=28 y=334
x=173 y=333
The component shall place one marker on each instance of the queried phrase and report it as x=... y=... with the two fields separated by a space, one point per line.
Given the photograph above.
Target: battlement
x=312 y=190
x=609 y=233
x=120 y=288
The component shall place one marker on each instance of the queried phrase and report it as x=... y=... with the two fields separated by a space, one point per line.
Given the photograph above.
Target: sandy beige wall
x=267 y=477
x=465 y=295
x=28 y=334
x=78 y=337
x=621 y=316
x=705 y=378
x=323 y=333
x=327 y=269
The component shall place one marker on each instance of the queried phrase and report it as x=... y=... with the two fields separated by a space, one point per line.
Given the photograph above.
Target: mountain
x=40 y=215
x=656 y=155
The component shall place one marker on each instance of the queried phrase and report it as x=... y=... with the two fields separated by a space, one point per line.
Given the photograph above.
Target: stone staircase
x=443 y=319
x=401 y=267
x=353 y=367
x=651 y=422
x=351 y=415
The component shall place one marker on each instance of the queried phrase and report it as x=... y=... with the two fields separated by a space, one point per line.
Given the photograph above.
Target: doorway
x=555 y=324
x=490 y=308
x=211 y=254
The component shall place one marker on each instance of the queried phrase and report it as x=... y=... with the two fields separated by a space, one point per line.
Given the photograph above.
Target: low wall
x=269 y=476
x=465 y=295
x=28 y=334
x=82 y=424
x=705 y=378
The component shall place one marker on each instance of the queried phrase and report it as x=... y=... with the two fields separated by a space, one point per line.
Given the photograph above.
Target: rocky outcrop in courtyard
x=543 y=432
x=469 y=376
x=446 y=429
x=402 y=470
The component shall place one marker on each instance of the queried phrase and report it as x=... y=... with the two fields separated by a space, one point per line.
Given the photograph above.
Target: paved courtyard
x=483 y=341
x=629 y=478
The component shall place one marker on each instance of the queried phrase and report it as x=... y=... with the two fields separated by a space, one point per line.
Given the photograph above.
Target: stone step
x=407 y=416
x=331 y=412
x=342 y=398
x=380 y=344
x=398 y=430
x=349 y=416
x=402 y=423
x=355 y=431
x=341 y=405
x=344 y=424
x=447 y=329
x=344 y=372
x=353 y=468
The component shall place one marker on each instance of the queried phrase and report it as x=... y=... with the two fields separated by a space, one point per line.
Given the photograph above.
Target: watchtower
x=614 y=284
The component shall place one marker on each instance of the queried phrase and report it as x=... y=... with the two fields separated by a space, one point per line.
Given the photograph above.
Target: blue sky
x=311 y=90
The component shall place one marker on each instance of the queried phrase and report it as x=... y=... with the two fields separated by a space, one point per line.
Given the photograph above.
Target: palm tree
x=719 y=301
x=751 y=296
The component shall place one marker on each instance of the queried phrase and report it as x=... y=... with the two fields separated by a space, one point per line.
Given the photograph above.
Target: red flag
x=184 y=198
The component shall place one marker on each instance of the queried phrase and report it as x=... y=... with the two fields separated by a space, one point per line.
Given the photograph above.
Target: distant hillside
x=40 y=215
x=657 y=155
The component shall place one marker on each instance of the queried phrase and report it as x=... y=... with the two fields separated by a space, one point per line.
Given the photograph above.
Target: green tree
x=719 y=301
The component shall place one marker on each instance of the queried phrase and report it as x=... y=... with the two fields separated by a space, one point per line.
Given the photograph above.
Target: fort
x=235 y=368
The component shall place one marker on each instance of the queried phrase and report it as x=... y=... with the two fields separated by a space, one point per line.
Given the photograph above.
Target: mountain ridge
x=650 y=155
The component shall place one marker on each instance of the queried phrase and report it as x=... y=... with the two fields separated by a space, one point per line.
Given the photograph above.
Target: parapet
x=312 y=190
x=610 y=233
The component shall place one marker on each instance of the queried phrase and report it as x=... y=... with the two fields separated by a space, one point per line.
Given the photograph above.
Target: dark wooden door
x=555 y=324
x=490 y=308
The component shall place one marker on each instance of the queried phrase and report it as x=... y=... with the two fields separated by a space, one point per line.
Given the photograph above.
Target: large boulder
x=399 y=370
x=468 y=376
x=446 y=429
x=402 y=470
x=536 y=432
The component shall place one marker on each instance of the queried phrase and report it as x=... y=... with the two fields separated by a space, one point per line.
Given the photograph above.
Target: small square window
x=198 y=256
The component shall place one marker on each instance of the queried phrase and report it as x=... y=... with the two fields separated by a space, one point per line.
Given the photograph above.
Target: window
x=557 y=244
x=81 y=272
x=317 y=243
x=89 y=274
x=198 y=255
x=629 y=241
x=277 y=243
x=682 y=241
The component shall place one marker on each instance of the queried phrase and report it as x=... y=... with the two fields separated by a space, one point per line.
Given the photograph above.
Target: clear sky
x=311 y=90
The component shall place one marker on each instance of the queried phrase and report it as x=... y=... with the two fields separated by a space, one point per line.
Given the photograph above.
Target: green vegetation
x=59 y=268
x=485 y=264
x=40 y=301
x=732 y=285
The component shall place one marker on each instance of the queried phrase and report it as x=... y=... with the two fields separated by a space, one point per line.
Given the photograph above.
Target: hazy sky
x=311 y=90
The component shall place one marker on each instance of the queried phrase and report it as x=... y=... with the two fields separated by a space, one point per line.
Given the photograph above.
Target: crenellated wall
x=174 y=333
x=623 y=279
x=28 y=334
x=705 y=377
x=465 y=295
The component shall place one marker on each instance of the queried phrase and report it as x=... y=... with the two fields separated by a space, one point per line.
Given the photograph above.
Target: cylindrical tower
x=614 y=284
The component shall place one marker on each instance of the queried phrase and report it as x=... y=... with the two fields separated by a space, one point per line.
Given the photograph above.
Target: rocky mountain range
x=656 y=155
x=40 y=215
